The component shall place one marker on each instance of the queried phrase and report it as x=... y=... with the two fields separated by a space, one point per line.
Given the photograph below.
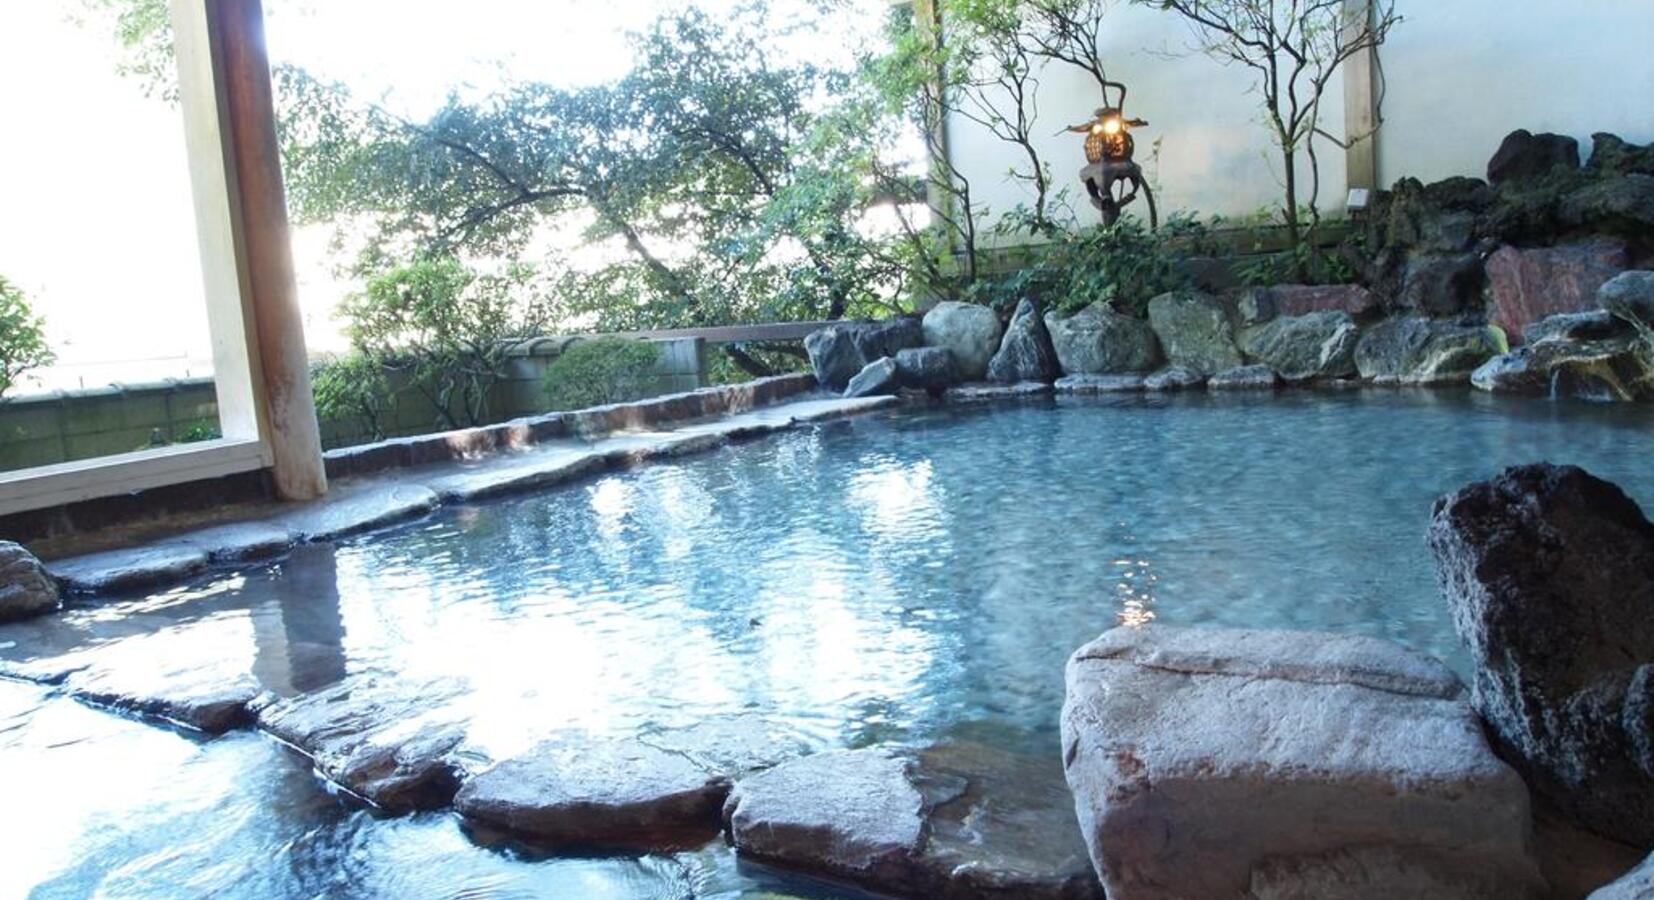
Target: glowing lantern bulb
x=1111 y=125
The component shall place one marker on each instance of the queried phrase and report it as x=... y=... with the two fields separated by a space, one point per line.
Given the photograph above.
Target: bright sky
x=96 y=223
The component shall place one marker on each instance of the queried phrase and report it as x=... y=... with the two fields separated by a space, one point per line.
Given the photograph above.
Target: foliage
x=1123 y=265
x=447 y=326
x=718 y=185
x=601 y=371
x=143 y=30
x=1293 y=49
x=22 y=337
x=353 y=389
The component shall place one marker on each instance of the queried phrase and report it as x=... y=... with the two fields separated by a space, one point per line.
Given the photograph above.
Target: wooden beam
x=1361 y=125
x=293 y=435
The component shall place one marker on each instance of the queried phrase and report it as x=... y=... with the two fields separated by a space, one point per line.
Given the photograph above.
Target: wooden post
x=1360 y=104
x=289 y=411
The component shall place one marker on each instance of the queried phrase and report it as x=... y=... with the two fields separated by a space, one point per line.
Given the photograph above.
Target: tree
x=446 y=327
x=22 y=337
x=1293 y=48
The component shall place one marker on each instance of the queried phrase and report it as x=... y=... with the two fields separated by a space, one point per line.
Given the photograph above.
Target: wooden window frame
x=260 y=368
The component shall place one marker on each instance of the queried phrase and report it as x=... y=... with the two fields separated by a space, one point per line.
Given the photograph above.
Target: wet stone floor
x=910 y=581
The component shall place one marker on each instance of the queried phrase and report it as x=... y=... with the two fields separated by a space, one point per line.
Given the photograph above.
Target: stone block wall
x=43 y=429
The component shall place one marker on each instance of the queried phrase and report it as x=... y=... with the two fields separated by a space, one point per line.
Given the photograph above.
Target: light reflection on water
x=900 y=577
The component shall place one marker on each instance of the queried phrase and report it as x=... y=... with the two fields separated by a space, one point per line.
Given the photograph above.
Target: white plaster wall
x=1461 y=75
x=1215 y=154
x=1464 y=73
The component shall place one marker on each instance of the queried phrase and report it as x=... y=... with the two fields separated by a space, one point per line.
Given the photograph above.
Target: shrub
x=600 y=371
x=22 y=337
x=352 y=389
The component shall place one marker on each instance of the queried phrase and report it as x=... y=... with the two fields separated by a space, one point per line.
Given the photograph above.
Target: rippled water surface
x=903 y=577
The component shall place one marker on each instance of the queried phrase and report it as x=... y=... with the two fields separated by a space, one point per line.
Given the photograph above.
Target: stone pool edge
x=397 y=494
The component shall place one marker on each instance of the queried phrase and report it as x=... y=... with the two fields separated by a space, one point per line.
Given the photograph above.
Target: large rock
x=1313 y=345
x=386 y=741
x=1173 y=378
x=1214 y=762
x=1416 y=350
x=617 y=793
x=955 y=820
x=1525 y=286
x=1629 y=296
x=1594 y=325
x=1244 y=378
x=1259 y=305
x=841 y=350
x=970 y=332
x=1194 y=331
x=1622 y=205
x=1098 y=384
x=1099 y=341
x=1443 y=285
x=1637 y=884
x=1025 y=354
x=925 y=368
x=25 y=588
x=1610 y=370
x=1525 y=156
x=1550 y=575
x=1611 y=154
x=878 y=377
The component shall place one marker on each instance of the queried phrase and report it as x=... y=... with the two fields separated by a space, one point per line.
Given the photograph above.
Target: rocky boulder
x=1629 y=296
x=1099 y=341
x=841 y=350
x=925 y=368
x=1526 y=286
x=878 y=377
x=1595 y=325
x=1637 y=884
x=955 y=820
x=1611 y=154
x=25 y=588
x=1259 y=305
x=1621 y=205
x=1194 y=331
x=968 y=331
x=1438 y=285
x=1244 y=378
x=1416 y=350
x=1550 y=576
x=1098 y=384
x=1025 y=353
x=618 y=793
x=1225 y=763
x=1612 y=370
x=1525 y=156
x=1173 y=378
x=1313 y=345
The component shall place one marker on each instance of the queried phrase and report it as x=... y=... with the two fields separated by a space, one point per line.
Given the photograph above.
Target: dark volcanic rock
x=1622 y=205
x=387 y=742
x=1525 y=286
x=957 y=821
x=1025 y=353
x=1550 y=575
x=619 y=793
x=877 y=377
x=25 y=588
x=1523 y=156
x=1099 y=341
x=1609 y=153
x=833 y=355
x=1443 y=285
x=925 y=368
x=886 y=337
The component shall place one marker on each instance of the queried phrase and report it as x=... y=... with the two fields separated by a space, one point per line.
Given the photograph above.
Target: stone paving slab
x=355 y=506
